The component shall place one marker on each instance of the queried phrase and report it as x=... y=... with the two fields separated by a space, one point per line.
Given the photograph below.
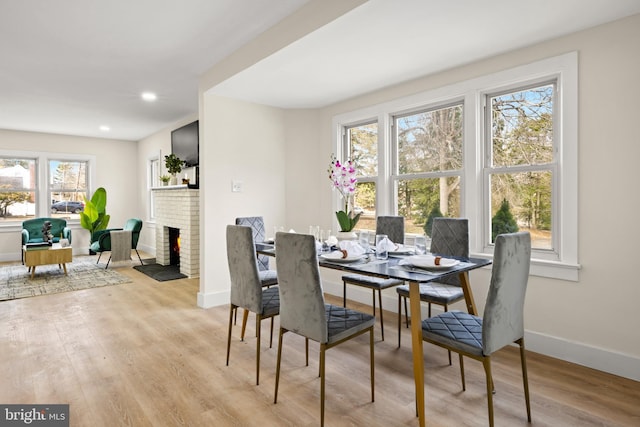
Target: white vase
x=174 y=180
x=347 y=235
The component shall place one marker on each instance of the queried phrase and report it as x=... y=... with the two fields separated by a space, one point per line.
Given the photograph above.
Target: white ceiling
x=69 y=66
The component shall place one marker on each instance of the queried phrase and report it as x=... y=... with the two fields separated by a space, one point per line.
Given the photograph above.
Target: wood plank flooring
x=143 y=354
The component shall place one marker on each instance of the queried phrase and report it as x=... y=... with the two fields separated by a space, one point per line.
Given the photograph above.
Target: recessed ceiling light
x=104 y=128
x=149 y=96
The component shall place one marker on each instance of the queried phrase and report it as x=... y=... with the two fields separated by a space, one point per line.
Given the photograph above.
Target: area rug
x=161 y=273
x=82 y=273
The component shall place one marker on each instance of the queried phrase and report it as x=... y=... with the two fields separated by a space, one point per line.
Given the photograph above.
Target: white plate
x=334 y=258
x=401 y=250
x=428 y=262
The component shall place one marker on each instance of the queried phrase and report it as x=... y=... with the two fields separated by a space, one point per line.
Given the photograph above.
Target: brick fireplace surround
x=178 y=207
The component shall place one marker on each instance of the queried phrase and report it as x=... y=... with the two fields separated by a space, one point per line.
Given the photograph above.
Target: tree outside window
x=67 y=187
x=17 y=188
x=428 y=145
x=362 y=149
x=522 y=163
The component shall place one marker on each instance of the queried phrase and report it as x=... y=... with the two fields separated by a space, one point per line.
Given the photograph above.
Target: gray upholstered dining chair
x=246 y=290
x=268 y=277
x=449 y=237
x=393 y=227
x=502 y=323
x=303 y=310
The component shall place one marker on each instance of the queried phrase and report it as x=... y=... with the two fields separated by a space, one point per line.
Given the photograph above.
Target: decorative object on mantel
x=165 y=179
x=174 y=165
x=94 y=216
x=343 y=179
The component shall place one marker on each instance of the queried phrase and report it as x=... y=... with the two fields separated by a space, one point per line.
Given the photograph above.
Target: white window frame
x=43 y=205
x=564 y=70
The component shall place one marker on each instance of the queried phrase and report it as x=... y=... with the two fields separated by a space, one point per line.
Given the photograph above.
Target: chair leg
x=525 y=379
x=380 y=310
x=245 y=315
x=99 y=255
x=406 y=312
x=306 y=350
x=231 y=310
x=464 y=385
x=372 y=365
x=344 y=294
x=271 y=334
x=446 y=308
x=486 y=362
x=399 y=319
x=323 y=348
x=140 y=259
x=108 y=261
x=258 y=328
x=281 y=334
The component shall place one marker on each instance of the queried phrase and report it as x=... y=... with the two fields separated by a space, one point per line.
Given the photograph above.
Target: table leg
x=416 y=348
x=468 y=293
x=64 y=267
x=33 y=271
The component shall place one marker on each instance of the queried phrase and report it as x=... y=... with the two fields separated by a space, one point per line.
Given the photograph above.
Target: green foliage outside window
x=503 y=221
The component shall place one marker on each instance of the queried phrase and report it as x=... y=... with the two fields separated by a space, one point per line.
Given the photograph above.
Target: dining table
x=396 y=267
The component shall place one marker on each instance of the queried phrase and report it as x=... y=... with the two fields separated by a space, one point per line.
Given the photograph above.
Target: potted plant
x=174 y=165
x=165 y=179
x=343 y=179
x=94 y=216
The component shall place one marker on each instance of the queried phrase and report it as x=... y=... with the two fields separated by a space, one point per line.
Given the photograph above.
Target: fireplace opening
x=174 y=246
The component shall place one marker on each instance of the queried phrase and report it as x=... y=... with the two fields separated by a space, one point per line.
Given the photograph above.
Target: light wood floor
x=143 y=354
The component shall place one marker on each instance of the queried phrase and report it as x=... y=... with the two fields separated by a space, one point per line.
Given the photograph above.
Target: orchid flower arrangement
x=343 y=179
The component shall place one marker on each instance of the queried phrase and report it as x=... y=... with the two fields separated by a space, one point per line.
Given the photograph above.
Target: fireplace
x=178 y=228
x=174 y=246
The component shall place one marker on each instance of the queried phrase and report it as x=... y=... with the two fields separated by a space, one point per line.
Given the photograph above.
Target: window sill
x=545 y=268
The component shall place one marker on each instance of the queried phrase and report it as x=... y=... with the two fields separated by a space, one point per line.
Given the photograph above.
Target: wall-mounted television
x=184 y=144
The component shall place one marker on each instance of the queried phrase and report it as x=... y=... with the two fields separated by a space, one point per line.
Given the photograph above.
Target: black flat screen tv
x=184 y=144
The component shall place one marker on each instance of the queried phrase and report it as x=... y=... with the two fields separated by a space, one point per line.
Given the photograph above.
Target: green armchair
x=101 y=239
x=32 y=230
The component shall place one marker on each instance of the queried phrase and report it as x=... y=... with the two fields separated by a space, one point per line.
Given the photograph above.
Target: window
x=362 y=147
x=520 y=167
x=428 y=166
x=17 y=188
x=466 y=148
x=67 y=187
x=154 y=181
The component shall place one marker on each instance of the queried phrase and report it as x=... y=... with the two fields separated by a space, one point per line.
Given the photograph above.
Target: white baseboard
x=620 y=364
x=213 y=299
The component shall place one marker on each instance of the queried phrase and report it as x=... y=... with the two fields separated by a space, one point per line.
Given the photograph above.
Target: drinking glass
x=381 y=246
x=420 y=244
x=363 y=239
x=314 y=230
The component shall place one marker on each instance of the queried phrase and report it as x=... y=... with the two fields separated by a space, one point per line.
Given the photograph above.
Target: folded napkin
x=332 y=241
x=353 y=248
x=334 y=255
x=386 y=245
x=429 y=261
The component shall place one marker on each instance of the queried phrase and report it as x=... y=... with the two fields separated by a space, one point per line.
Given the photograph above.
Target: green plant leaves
x=346 y=222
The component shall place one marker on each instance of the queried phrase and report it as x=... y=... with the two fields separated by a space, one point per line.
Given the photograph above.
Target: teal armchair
x=102 y=238
x=32 y=230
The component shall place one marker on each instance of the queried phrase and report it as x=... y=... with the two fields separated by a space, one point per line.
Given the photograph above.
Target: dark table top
x=391 y=267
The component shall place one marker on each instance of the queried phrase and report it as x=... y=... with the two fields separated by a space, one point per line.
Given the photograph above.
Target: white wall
x=242 y=142
x=592 y=321
x=116 y=171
